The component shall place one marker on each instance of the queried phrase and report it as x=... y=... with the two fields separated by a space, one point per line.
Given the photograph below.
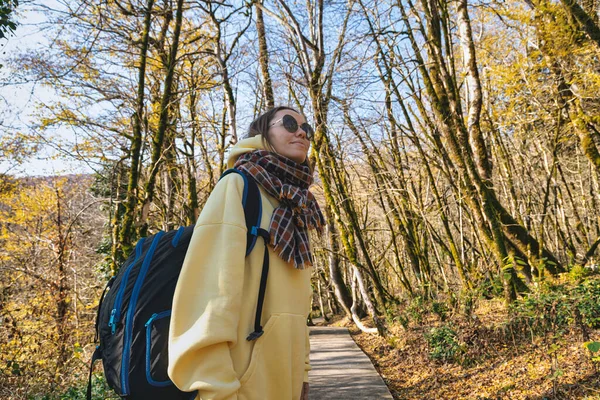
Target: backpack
x=133 y=318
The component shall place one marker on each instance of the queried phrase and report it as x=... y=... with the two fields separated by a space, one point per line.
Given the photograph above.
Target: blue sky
x=18 y=99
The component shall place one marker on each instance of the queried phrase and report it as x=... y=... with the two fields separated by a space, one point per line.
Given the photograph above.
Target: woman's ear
x=266 y=144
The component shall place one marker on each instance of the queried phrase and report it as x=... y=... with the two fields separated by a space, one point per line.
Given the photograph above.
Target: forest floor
x=494 y=364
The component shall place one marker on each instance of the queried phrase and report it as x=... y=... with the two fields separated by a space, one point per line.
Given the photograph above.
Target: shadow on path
x=340 y=370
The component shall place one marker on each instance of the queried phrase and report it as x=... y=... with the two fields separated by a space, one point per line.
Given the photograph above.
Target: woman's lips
x=302 y=144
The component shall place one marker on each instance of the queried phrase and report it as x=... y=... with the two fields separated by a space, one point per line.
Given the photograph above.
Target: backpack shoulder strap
x=258 y=329
x=253 y=212
x=96 y=356
x=252 y=207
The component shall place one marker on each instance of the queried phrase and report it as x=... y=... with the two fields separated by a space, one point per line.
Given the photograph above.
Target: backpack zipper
x=130 y=313
x=115 y=313
x=148 y=325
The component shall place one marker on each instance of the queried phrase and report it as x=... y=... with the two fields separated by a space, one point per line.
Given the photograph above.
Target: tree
x=123 y=244
x=47 y=236
x=7 y=12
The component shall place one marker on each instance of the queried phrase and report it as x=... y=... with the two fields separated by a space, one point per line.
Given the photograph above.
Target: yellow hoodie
x=215 y=304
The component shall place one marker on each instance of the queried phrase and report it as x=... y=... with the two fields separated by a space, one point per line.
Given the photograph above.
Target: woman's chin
x=298 y=157
x=299 y=160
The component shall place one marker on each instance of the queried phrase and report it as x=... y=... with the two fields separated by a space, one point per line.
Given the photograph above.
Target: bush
x=100 y=391
x=393 y=315
x=578 y=272
x=416 y=309
x=587 y=298
x=547 y=311
x=440 y=309
x=444 y=345
x=403 y=320
x=466 y=303
x=553 y=309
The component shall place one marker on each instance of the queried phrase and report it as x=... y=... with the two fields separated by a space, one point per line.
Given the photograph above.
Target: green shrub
x=578 y=272
x=587 y=298
x=100 y=391
x=395 y=315
x=440 y=309
x=391 y=315
x=444 y=345
x=547 y=311
x=416 y=309
x=553 y=308
x=467 y=302
x=594 y=349
x=403 y=320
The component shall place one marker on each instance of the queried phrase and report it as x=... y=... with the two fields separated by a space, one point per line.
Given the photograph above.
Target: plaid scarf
x=287 y=181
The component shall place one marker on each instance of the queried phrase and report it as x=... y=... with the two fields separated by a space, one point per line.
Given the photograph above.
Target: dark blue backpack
x=133 y=316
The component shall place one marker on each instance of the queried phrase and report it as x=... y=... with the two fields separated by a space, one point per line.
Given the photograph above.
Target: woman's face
x=293 y=145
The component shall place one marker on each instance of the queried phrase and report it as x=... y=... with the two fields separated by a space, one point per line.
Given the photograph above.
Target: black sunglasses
x=291 y=125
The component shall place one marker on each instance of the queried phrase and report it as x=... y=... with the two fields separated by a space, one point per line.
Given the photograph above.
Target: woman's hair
x=260 y=126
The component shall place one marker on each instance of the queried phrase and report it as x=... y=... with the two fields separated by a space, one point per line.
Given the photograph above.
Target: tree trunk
x=263 y=59
x=587 y=22
x=159 y=137
x=320 y=294
x=126 y=235
x=117 y=255
x=474 y=93
x=62 y=306
x=340 y=288
x=379 y=326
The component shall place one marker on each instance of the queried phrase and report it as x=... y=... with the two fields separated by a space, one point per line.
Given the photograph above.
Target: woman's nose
x=301 y=132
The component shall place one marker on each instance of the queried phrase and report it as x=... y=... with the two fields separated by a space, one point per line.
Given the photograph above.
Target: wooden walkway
x=340 y=370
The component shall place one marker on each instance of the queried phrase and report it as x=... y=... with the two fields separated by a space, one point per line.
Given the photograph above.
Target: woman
x=216 y=295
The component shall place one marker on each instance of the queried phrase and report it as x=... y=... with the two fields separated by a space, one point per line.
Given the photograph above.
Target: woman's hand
x=304 y=395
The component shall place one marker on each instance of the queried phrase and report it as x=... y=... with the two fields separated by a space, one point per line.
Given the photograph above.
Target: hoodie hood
x=244 y=146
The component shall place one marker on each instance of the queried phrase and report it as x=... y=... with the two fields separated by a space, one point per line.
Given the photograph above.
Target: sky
x=18 y=100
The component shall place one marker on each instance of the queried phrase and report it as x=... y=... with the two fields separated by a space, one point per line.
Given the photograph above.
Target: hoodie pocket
x=276 y=369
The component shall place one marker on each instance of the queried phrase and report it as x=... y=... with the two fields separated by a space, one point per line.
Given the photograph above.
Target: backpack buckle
x=255 y=335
